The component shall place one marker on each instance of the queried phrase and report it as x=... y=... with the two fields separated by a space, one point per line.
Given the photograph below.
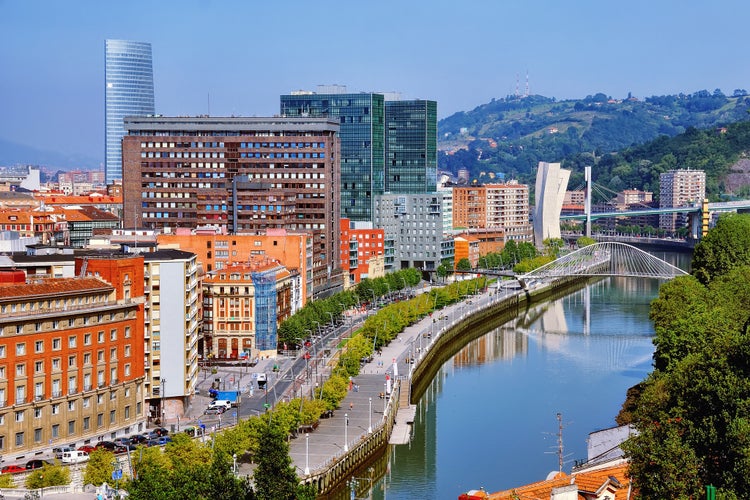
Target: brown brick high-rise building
x=242 y=174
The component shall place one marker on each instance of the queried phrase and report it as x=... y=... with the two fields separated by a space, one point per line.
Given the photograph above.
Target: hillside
x=510 y=136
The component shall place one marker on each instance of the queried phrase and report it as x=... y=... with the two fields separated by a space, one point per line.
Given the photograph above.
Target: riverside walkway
x=363 y=406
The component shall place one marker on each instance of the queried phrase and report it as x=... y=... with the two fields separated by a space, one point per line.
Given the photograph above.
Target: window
x=39 y=346
x=100 y=337
x=19 y=415
x=138 y=408
x=56 y=409
x=71 y=427
x=100 y=356
x=38 y=366
x=112 y=415
x=2 y=351
x=37 y=413
x=87 y=339
x=19 y=439
x=20 y=369
x=55 y=431
x=99 y=399
x=56 y=344
x=56 y=364
x=127 y=351
x=71 y=361
x=2 y=372
x=127 y=370
x=87 y=358
x=113 y=354
x=127 y=332
x=86 y=402
x=72 y=341
x=20 y=349
x=100 y=419
x=113 y=334
x=86 y=423
x=127 y=412
x=37 y=435
x=71 y=405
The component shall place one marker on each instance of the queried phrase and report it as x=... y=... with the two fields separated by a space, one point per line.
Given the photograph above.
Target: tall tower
x=362 y=157
x=411 y=146
x=129 y=91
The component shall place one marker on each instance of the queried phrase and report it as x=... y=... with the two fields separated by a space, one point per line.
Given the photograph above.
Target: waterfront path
x=333 y=436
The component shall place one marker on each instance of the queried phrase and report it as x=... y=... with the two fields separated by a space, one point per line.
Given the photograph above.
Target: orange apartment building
x=30 y=223
x=243 y=304
x=469 y=207
x=494 y=206
x=359 y=246
x=217 y=251
x=465 y=247
x=71 y=357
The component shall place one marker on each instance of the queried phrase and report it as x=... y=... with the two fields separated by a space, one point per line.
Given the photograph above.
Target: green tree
x=726 y=246
x=274 y=477
x=585 y=241
x=463 y=265
x=6 y=481
x=99 y=468
x=48 y=475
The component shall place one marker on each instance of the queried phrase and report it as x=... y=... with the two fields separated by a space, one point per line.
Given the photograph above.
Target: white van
x=74 y=457
x=225 y=404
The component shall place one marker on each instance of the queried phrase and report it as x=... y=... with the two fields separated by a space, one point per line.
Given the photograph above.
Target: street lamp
x=318 y=327
x=234 y=464
x=307 y=452
x=369 y=428
x=161 y=401
x=346 y=432
x=333 y=322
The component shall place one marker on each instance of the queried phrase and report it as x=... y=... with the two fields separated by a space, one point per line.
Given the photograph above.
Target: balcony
x=56 y=394
x=20 y=400
x=38 y=397
x=72 y=390
x=87 y=387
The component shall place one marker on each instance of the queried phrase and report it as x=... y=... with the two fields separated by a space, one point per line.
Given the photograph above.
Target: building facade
x=71 y=361
x=242 y=174
x=414 y=223
x=551 y=184
x=243 y=304
x=680 y=188
x=362 y=120
x=494 y=206
x=410 y=146
x=128 y=91
x=360 y=243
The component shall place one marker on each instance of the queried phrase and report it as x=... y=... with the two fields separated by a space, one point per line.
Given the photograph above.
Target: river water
x=489 y=418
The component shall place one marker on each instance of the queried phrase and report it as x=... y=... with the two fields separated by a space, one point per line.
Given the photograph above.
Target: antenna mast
x=560 y=441
x=527 y=83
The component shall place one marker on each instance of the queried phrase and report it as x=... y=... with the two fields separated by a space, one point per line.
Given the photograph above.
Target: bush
x=49 y=475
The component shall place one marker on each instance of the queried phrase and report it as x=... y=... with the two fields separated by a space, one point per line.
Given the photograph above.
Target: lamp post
x=307 y=452
x=318 y=327
x=369 y=428
x=234 y=464
x=346 y=432
x=333 y=321
x=161 y=401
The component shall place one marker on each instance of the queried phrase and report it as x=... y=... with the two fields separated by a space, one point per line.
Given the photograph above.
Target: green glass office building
x=411 y=146
x=362 y=136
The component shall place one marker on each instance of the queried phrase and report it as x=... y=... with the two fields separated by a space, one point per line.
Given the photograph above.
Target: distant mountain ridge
x=510 y=136
x=13 y=153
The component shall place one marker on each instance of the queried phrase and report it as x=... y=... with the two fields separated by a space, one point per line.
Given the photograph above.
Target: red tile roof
x=53 y=286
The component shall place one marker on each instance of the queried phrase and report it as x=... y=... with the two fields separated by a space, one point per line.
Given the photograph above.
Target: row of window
x=48 y=305
x=244 y=145
x=72 y=361
x=39 y=345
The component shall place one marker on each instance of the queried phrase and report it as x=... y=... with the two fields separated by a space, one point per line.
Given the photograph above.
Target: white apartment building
x=680 y=188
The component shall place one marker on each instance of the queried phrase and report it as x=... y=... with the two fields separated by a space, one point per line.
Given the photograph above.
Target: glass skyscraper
x=362 y=119
x=411 y=146
x=129 y=91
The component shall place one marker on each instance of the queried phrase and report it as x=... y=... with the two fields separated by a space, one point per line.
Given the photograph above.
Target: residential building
x=447 y=208
x=71 y=369
x=245 y=175
x=128 y=91
x=410 y=146
x=494 y=206
x=576 y=197
x=680 y=188
x=360 y=243
x=362 y=120
x=243 y=304
x=415 y=225
x=216 y=251
x=489 y=240
x=466 y=247
x=83 y=222
x=172 y=320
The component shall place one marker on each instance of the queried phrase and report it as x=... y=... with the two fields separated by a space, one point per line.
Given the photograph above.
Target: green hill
x=508 y=137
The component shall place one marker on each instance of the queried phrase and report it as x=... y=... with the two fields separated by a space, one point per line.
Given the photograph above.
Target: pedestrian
x=351 y=406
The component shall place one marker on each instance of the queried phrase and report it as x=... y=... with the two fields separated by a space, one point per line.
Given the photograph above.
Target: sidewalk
x=364 y=407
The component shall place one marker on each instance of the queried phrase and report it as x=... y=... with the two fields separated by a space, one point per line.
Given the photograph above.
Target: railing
x=56 y=394
x=20 y=400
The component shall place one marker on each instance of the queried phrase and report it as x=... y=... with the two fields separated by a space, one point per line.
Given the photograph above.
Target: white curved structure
x=551 y=183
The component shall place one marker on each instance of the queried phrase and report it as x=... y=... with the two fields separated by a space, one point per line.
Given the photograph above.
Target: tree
x=99 y=468
x=274 y=477
x=585 y=241
x=48 y=475
x=463 y=265
x=727 y=245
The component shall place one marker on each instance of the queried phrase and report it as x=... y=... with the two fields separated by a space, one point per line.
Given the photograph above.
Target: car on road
x=138 y=439
x=75 y=457
x=110 y=446
x=161 y=431
x=87 y=448
x=122 y=441
x=164 y=440
x=215 y=410
x=12 y=469
x=58 y=452
x=36 y=464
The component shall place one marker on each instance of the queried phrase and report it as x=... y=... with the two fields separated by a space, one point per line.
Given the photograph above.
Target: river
x=490 y=419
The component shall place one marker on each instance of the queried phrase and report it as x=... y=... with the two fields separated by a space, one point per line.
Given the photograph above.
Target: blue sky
x=244 y=54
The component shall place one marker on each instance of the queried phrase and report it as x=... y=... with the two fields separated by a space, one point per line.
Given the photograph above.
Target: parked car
x=110 y=446
x=151 y=435
x=122 y=441
x=215 y=410
x=58 y=452
x=87 y=448
x=36 y=464
x=138 y=439
x=164 y=440
x=12 y=469
x=74 y=457
x=161 y=431
x=152 y=442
